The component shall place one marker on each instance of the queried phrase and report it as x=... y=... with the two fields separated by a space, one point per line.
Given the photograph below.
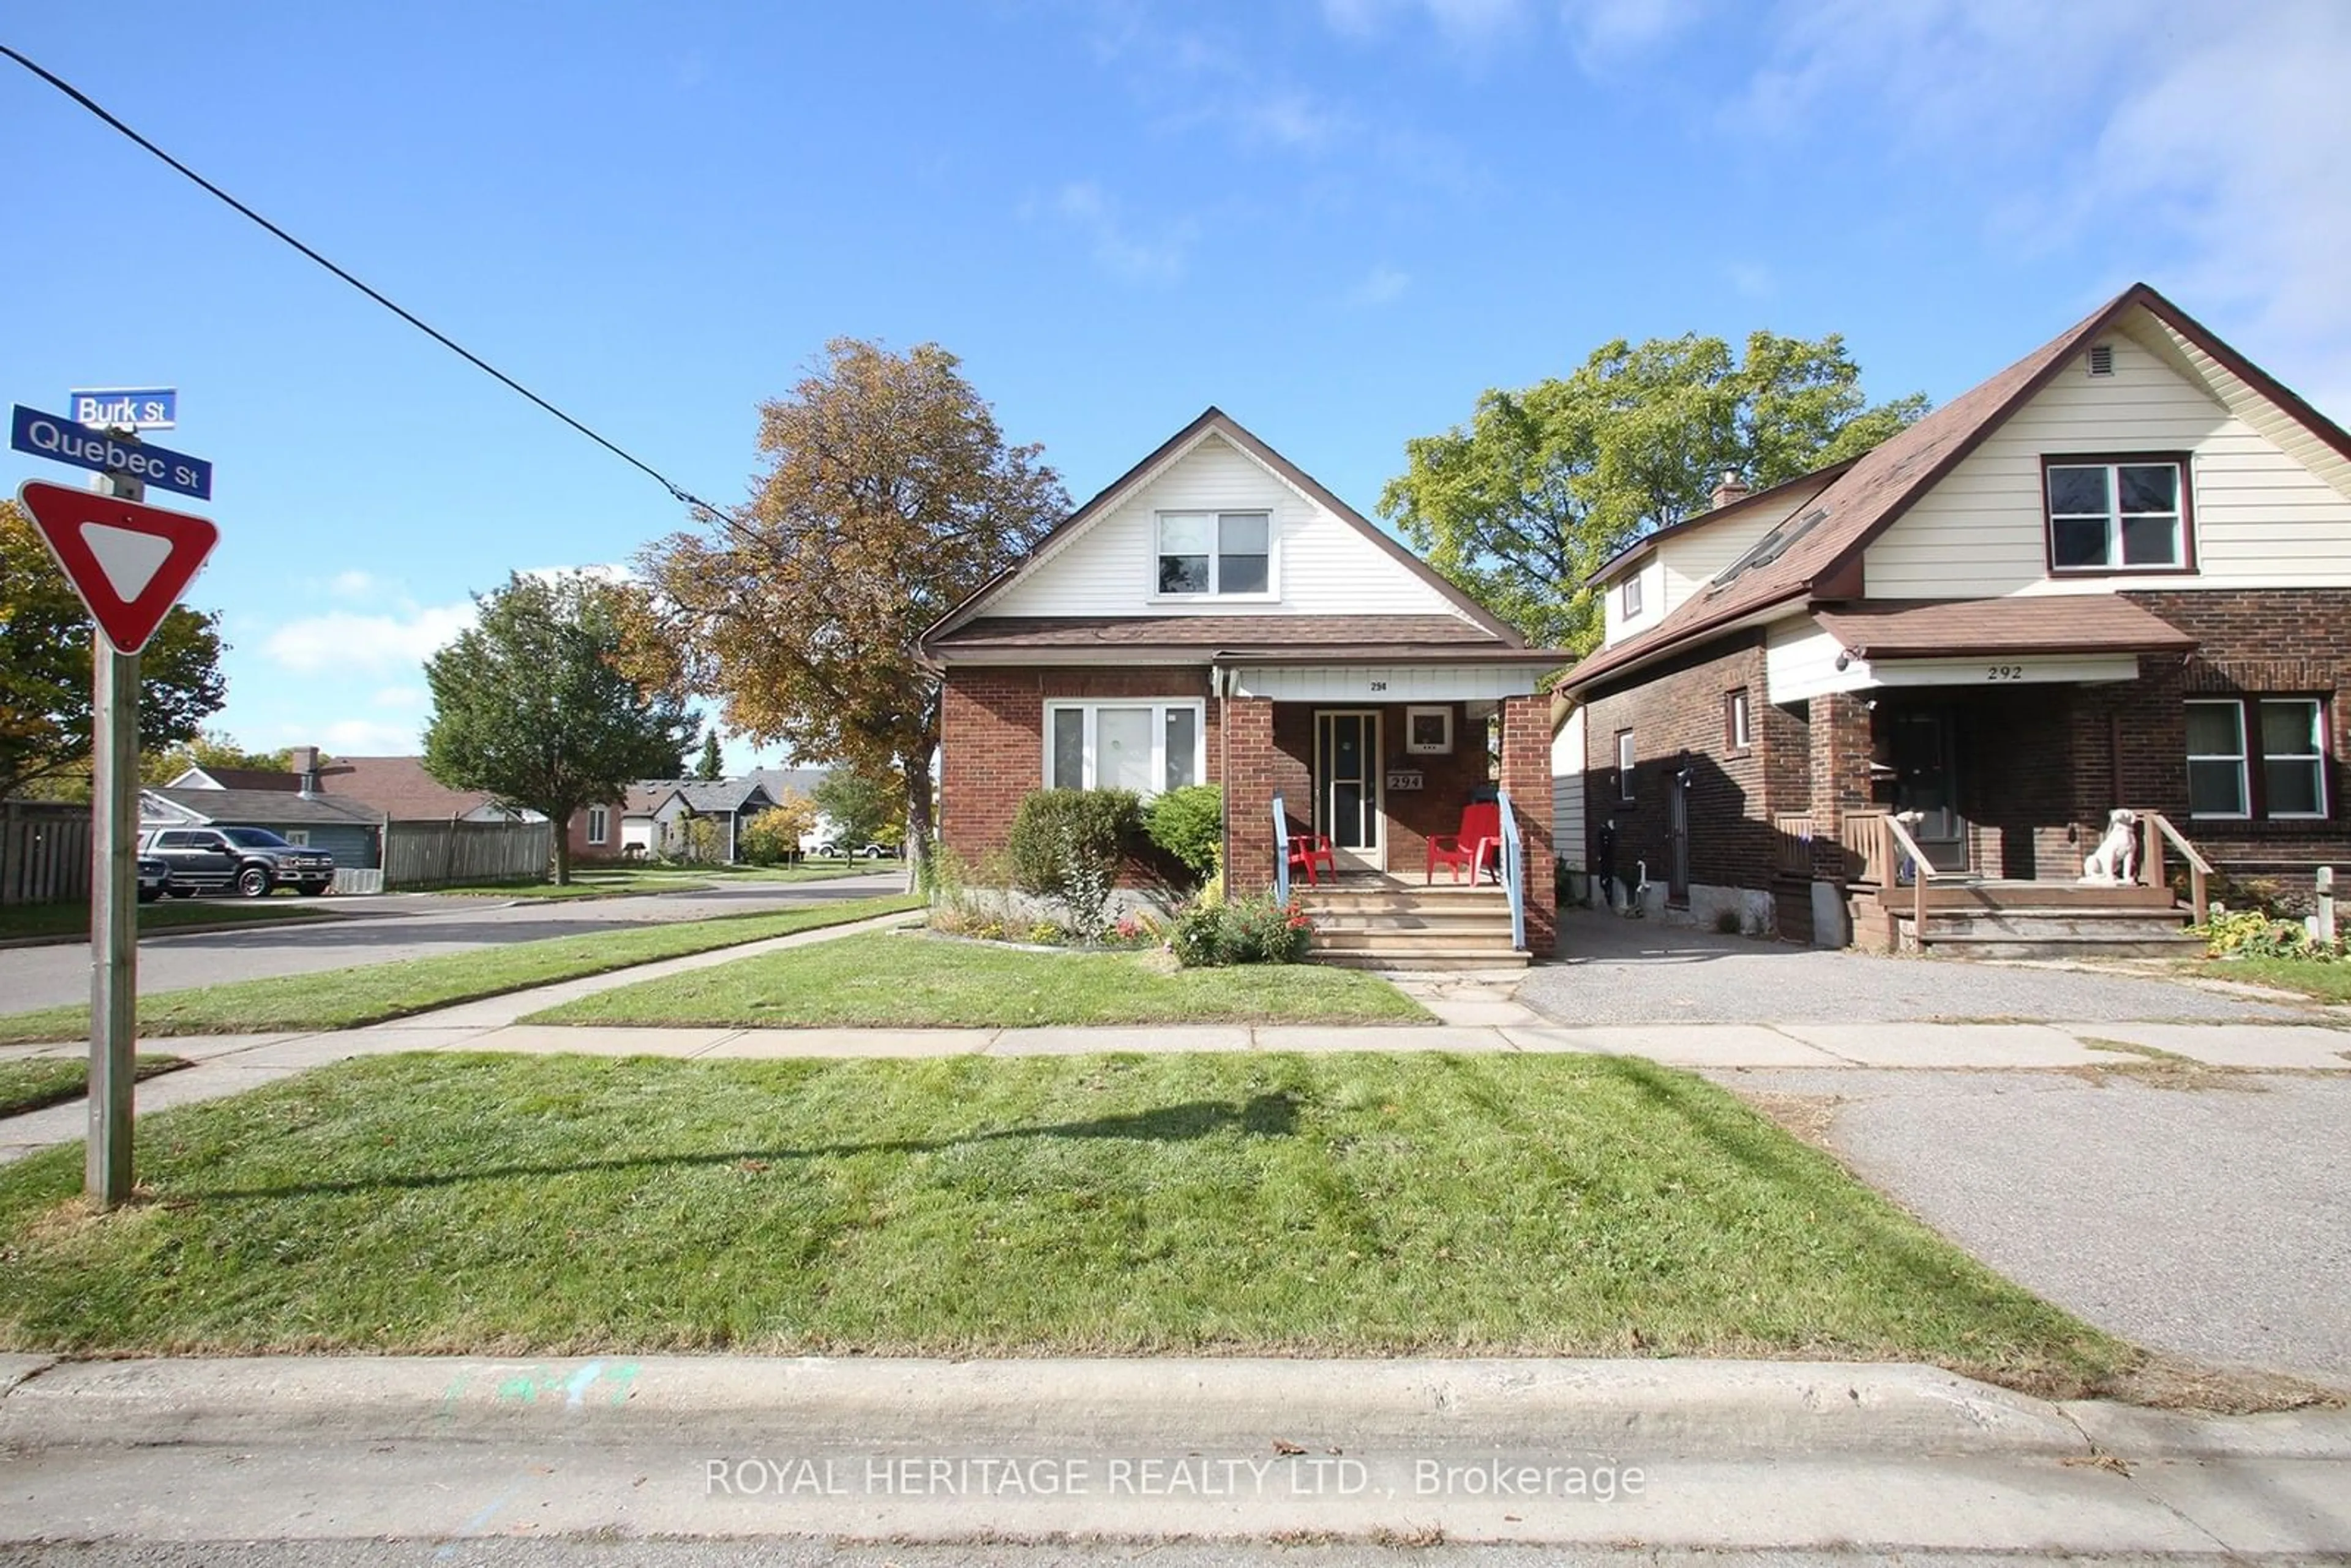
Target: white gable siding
x=1693 y=557
x=2262 y=519
x=1617 y=625
x=1322 y=566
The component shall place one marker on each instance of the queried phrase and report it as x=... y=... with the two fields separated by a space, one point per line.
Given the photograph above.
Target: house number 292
x=1379 y=685
x=2003 y=672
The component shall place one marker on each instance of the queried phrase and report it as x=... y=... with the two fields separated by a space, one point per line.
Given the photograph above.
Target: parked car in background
x=251 y=861
x=154 y=876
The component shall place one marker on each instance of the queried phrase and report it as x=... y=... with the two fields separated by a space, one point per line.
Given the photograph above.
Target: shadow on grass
x=1260 y=1116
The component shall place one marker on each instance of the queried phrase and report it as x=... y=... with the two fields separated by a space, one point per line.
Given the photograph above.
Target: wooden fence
x=438 y=854
x=43 y=852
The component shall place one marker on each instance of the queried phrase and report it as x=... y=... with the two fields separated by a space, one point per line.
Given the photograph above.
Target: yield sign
x=128 y=560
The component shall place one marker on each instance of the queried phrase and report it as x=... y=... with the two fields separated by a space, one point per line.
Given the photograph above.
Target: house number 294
x=2003 y=672
x=1379 y=685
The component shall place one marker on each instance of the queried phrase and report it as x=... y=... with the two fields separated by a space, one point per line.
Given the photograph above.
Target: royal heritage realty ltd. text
x=1190 y=1475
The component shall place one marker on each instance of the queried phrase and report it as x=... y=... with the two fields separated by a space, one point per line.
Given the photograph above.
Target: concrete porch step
x=1432 y=920
x=2058 y=946
x=1344 y=940
x=2114 y=924
x=1500 y=955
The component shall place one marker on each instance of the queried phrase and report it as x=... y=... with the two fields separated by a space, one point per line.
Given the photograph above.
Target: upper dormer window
x=1628 y=601
x=2130 y=513
x=1216 y=552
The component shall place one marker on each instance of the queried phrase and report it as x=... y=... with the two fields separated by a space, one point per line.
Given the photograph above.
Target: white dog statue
x=2115 y=859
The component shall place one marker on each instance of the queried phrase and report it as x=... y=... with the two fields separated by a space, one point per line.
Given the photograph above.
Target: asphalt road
x=2207 y=1221
x=384 y=929
x=1616 y=971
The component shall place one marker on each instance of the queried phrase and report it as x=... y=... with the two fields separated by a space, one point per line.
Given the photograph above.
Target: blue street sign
x=68 y=440
x=125 y=408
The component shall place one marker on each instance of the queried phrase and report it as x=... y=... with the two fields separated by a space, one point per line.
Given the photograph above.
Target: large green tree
x=532 y=706
x=44 y=670
x=1549 y=481
x=859 y=807
x=890 y=495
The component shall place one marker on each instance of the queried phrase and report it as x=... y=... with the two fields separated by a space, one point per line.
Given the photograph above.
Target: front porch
x=1966 y=824
x=1376 y=782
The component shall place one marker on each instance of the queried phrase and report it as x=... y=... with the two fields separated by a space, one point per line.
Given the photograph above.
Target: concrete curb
x=1646 y=1410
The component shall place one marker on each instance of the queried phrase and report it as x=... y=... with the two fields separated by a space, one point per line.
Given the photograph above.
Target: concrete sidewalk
x=1734 y=1455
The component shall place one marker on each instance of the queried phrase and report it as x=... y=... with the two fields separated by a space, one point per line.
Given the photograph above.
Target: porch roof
x=2044 y=624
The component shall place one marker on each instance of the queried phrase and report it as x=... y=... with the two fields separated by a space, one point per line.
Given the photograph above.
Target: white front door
x=1347 y=761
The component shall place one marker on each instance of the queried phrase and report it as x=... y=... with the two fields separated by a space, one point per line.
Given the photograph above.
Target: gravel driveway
x=2208 y=1222
x=1616 y=971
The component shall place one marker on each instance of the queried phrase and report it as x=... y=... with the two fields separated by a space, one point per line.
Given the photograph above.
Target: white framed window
x=1428 y=731
x=299 y=837
x=2294 y=757
x=1628 y=597
x=2218 y=785
x=1221 y=555
x=1146 y=746
x=1624 y=765
x=2124 y=514
x=1738 y=725
x=600 y=824
x=2257 y=757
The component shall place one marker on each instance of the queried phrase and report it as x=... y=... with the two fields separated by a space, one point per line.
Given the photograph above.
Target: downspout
x=1217 y=683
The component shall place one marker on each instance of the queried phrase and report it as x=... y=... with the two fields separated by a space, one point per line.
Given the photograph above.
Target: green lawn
x=1348 y=1205
x=2327 y=982
x=916 y=980
x=28 y=1084
x=73 y=919
x=620 y=882
x=341 y=999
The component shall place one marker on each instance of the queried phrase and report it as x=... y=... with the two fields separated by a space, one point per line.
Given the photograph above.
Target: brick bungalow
x=1216 y=615
x=2116 y=574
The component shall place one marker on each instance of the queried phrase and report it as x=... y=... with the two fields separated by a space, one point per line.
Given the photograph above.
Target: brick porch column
x=1840 y=744
x=1526 y=774
x=1249 y=759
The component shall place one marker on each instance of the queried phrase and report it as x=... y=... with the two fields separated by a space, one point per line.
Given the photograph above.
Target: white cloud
x=370 y=737
x=354 y=585
x=2205 y=138
x=1084 y=207
x=1381 y=286
x=400 y=697
x=343 y=641
x=1606 y=28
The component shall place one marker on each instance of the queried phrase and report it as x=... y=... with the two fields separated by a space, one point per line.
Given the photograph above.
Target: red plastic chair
x=1480 y=833
x=1305 y=849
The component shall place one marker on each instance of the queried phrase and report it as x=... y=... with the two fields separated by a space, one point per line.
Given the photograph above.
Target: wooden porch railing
x=1868 y=850
x=1791 y=842
x=2155 y=831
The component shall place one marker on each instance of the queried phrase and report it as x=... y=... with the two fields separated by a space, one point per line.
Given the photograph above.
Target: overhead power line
x=677 y=491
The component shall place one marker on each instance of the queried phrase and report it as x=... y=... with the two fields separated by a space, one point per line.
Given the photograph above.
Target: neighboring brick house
x=2116 y=574
x=1216 y=615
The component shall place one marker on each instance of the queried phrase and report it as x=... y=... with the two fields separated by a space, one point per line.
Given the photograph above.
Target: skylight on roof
x=1768 y=548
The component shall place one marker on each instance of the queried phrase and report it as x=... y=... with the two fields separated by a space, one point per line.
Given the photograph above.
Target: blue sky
x=1338 y=219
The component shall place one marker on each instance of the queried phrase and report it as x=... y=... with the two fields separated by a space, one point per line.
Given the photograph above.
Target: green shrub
x=1046 y=933
x=1250 y=931
x=1189 y=823
x=1053 y=824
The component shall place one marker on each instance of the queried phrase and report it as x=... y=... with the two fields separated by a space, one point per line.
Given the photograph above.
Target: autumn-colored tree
x=774 y=835
x=212 y=748
x=1549 y=482
x=890 y=496
x=44 y=670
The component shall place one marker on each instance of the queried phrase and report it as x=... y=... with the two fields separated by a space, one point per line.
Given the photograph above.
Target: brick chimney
x=304 y=762
x=1731 y=490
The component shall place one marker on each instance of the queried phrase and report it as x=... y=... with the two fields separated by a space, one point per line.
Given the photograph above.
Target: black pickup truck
x=251 y=861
